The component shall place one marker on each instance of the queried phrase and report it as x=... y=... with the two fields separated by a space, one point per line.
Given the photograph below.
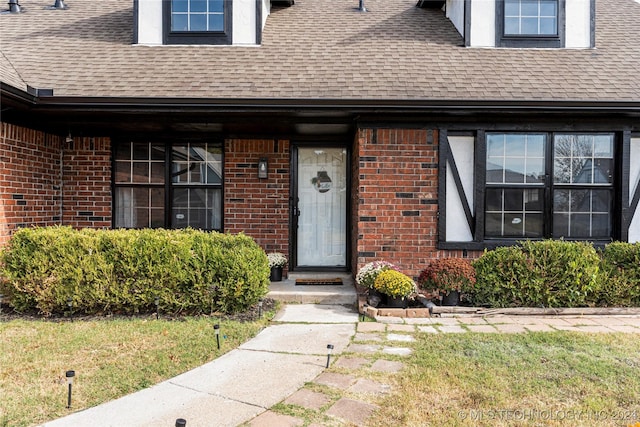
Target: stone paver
x=446 y=321
x=567 y=328
x=361 y=336
x=400 y=338
x=595 y=329
x=308 y=399
x=351 y=362
x=482 y=328
x=625 y=328
x=451 y=329
x=382 y=365
x=364 y=385
x=421 y=321
x=428 y=329
x=401 y=328
x=352 y=411
x=371 y=327
x=364 y=348
x=510 y=328
x=397 y=351
x=390 y=319
x=335 y=380
x=271 y=419
x=472 y=320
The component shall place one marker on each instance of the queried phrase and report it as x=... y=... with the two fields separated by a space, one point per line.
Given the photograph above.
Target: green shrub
x=123 y=271
x=549 y=273
x=620 y=275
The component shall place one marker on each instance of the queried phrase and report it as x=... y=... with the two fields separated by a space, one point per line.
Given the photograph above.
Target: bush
x=123 y=271
x=446 y=275
x=367 y=275
x=394 y=284
x=620 y=275
x=549 y=273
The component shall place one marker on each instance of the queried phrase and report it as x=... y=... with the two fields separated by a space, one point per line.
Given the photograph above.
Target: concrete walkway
x=239 y=385
x=286 y=363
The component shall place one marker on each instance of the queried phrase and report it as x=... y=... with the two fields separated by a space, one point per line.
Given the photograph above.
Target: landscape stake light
x=70 y=305
x=259 y=308
x=216 y=329
x=1 y=300
x=329 y=348
x=69 y=375
x=157 y=302
x=181 y=422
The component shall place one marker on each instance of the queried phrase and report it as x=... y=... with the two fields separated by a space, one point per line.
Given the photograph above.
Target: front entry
x=320 y=207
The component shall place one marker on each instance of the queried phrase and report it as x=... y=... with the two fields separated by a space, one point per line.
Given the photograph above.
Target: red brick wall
x=87 y=183
x=32 y=183
x=30 y=179
x=395 y=198
x=258 y=207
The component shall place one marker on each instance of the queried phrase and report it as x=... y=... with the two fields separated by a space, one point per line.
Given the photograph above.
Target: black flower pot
x=276 y=274
x=451 y=298
x=395 y=302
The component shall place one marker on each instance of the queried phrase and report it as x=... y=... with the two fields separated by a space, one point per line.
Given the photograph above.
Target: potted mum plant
x=366 y=278
x=395 y=286
x=447 y=277
x=277 y=261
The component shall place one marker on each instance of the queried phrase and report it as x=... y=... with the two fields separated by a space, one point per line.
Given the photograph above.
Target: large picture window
x=197 y=21
x=170 y=186
x=549 y=185
x=530 y=23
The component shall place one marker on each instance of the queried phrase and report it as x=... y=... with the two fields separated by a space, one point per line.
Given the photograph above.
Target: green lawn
x=535 y=379
x=111 y=358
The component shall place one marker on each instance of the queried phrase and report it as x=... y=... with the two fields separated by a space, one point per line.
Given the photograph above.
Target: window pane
x=157 y=218
x=198 y=208
x=535 y=170
x=513 y=200
x=198 y=22
x=123 y=152
x=495 y=145
x=157 y=173
x=533 y=225
x=513 y=225
x=548 y=8
x=600 y=225
x=548 y=26
x=493 y=200
x=216 y=5
x=514 y=170
x=157 y=152
x=216 y=22
x=180 y=5
x=157 y=197
x=515 y=145
x=140 y=172
x=603 y=146
x=529 y=26
x=601 y=201
x=511 y=7
x=529 y=7
x=198 y=6
x=512 y=25
x=141 y=151
x=493 y=224
x=179 y=22
x=123 y=172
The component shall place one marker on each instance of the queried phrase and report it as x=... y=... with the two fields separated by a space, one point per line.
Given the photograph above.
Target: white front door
x=322 y=207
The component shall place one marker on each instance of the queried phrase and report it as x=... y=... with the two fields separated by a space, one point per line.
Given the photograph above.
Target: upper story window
x=530 y=23
x=197 y=21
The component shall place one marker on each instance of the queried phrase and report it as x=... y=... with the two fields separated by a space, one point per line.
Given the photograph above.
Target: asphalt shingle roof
x=316 y=49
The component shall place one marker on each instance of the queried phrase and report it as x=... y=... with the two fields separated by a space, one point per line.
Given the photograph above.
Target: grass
x=530 y=379
x=111 y=358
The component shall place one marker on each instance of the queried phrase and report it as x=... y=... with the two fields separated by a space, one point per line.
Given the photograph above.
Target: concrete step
x=287 y=291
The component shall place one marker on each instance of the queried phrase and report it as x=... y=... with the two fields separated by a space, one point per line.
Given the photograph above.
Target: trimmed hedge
x=123 y=271
x=556 y=273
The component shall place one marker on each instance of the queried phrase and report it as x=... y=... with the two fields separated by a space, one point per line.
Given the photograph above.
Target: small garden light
x=329 y=348
x=216 y=329
x=70 y=306
x=157 y=303
x=259 y=309
x=1 y=300
x=69 y=375
x=181 y=422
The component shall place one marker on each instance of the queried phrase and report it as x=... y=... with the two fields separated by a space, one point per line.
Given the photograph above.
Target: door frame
x=293 y=202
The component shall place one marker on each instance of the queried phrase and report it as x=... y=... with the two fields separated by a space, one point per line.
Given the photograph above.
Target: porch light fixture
x=329 y=348
x=69 y=375
x=58 y=5
x=216 y=330
x=263 y=168
x=181 y=422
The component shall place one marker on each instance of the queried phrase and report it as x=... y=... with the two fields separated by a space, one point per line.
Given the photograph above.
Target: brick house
x=336 y=131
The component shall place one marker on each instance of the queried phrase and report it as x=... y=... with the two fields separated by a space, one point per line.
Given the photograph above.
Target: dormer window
x=197 y=21
x=530 y=23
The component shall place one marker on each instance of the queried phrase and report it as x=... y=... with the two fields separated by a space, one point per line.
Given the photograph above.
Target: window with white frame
x=530 y=23
x=197 y=21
